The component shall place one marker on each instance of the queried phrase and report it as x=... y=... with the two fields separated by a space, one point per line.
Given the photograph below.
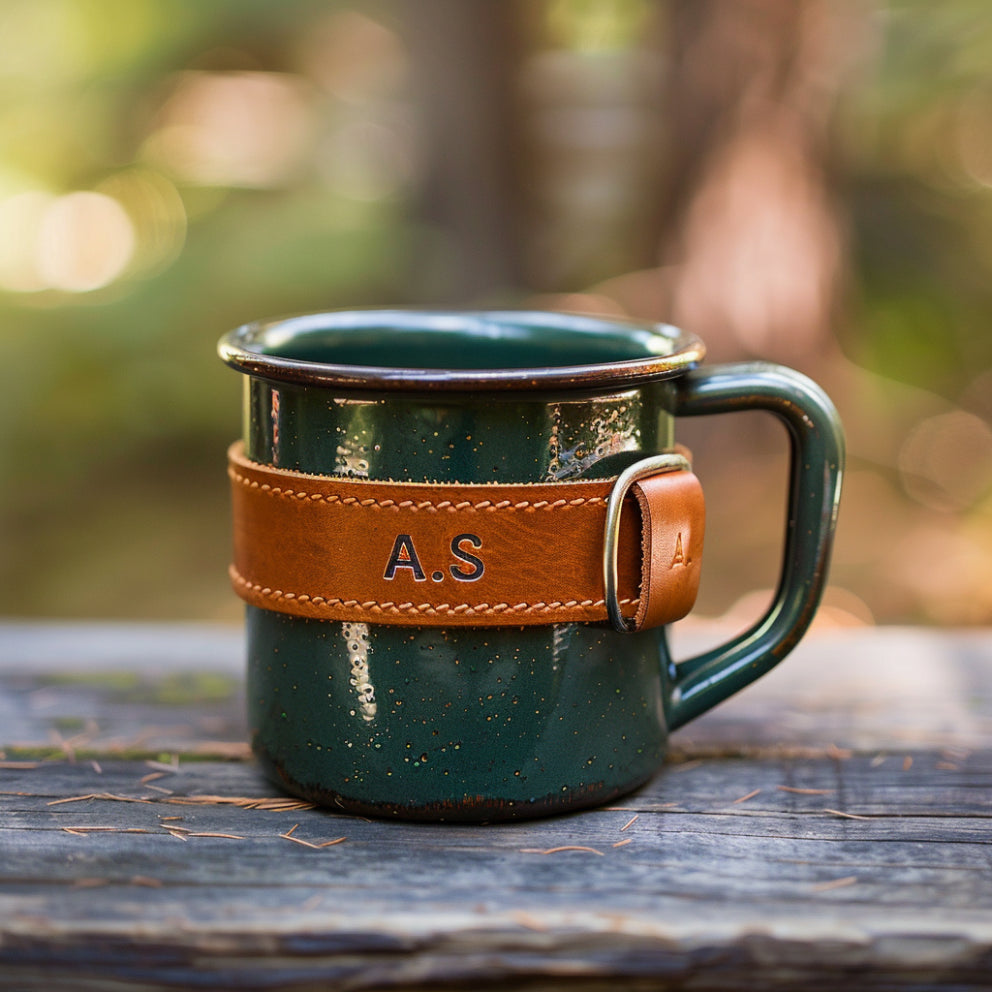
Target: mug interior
x=400 y=348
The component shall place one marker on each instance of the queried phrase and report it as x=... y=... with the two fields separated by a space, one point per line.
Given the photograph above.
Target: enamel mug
x=461 y=537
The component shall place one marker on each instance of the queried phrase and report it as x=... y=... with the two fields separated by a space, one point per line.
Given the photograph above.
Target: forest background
x=805 y=182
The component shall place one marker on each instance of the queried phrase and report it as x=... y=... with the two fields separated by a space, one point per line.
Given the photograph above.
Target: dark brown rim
x=243 y=350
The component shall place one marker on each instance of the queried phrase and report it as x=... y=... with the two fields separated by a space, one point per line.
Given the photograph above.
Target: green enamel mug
x=465 y=720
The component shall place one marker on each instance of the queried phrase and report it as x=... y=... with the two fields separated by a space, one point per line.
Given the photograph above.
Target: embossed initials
x=404 y=555
x=679 y=558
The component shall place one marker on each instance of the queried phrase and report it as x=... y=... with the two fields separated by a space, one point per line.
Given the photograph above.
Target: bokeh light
x=365 y=160
x=21 y=217
x=354 y=58
x=85 y=241
x=157 y=212
x=75 y=243
x=946 y=461
x=249 y=129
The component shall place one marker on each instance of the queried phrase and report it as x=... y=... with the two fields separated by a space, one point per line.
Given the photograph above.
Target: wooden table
x=832 y=824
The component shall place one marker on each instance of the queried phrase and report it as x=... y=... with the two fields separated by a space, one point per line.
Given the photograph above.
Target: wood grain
x=782 y=865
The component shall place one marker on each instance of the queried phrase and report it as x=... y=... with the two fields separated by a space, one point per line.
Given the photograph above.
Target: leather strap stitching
x=469 y=609
x=301 y=494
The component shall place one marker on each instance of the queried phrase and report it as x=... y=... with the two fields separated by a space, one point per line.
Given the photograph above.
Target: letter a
x=404 y=556
x=679 y=558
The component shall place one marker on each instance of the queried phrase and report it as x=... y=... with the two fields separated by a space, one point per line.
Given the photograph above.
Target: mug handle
x=817 y=462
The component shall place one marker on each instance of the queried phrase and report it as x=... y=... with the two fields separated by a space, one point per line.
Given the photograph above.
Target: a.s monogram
x=404 y=555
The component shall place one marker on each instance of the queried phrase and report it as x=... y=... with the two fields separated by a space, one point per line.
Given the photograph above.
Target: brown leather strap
x=460 y=555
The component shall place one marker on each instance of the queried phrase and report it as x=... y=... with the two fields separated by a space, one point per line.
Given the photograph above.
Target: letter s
x=467 y=557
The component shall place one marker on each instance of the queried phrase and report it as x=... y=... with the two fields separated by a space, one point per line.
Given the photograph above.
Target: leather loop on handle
x=672 y=552
x=447 y=555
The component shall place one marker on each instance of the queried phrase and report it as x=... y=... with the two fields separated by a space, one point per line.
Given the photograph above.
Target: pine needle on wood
x=276 y=804
x=306 y=843
x=744 y=799
x=98 y=795
x=564 y=847
x=846 y=816
x=837 y=883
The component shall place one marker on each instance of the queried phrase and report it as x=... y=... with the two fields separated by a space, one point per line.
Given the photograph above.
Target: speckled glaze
x=494 y=723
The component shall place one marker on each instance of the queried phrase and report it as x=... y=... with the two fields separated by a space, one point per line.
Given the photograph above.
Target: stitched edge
x=447 y=504
x=411 y=609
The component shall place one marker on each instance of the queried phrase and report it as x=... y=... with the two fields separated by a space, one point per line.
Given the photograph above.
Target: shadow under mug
x=489 y=723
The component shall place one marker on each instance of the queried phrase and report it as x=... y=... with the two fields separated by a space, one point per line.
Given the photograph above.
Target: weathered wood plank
x=129 y=689
x=698 y=872
x=788 y=844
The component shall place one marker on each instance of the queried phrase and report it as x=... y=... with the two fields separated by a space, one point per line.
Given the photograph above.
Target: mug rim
x=670 y=351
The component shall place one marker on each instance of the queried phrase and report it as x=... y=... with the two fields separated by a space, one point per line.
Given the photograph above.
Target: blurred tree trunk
x=465 y=57
x=750 y=228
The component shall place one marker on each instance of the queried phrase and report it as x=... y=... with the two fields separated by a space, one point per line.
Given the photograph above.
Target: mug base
x=454 y=809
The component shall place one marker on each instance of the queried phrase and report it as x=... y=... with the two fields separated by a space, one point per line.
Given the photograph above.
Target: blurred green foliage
x=115 y=412
x=917 y=163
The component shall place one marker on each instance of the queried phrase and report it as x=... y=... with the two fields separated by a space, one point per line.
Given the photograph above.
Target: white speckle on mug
x=356 y=637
